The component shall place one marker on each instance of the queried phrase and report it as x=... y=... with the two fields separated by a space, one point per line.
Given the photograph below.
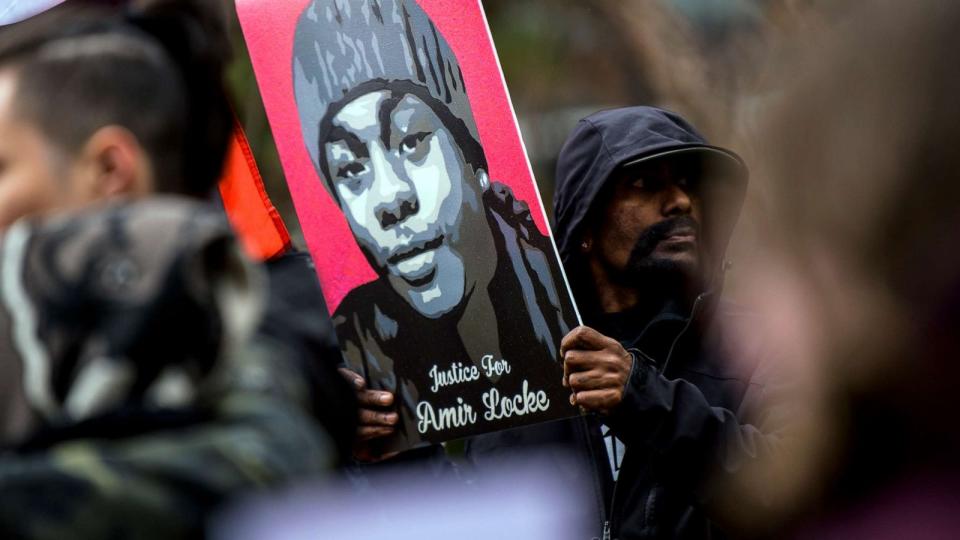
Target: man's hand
x=374 y=421
x=595 y=369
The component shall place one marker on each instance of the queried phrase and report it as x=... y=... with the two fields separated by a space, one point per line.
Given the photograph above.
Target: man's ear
x=115 y=164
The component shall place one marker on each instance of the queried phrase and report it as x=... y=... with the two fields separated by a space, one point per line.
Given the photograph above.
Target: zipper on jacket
x=613 y=500
x=584 y=426
x=607 y=525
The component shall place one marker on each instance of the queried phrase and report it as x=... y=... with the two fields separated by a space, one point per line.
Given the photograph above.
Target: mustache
x=658 y=232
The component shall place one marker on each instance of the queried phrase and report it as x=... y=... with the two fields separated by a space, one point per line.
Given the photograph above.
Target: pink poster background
x=268 y=27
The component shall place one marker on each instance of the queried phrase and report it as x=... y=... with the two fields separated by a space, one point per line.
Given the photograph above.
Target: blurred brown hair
x=858 y=152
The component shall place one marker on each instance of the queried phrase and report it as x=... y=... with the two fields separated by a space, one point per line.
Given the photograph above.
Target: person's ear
x=116 y=164
x=483 y=179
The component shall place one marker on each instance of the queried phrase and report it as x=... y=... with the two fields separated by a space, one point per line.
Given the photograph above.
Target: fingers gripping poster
x=418 y=205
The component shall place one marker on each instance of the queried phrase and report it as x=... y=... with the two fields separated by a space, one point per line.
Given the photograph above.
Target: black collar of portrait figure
x=411 y=325
x=469 y=146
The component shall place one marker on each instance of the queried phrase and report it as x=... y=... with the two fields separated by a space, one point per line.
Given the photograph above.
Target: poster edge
x=526 y=159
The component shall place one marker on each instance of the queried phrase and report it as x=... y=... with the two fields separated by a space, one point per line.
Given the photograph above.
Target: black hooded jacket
x=694 y=407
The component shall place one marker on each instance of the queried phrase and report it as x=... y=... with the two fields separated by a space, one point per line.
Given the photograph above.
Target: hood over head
x=606 y=141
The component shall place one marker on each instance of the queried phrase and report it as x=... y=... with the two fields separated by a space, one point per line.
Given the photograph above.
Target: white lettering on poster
x=493 y=367
x=457 y=373
x=459 y=415
x=526 y=402
x=496 y=405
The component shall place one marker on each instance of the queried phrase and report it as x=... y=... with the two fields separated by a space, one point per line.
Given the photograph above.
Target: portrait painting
x=419 y=208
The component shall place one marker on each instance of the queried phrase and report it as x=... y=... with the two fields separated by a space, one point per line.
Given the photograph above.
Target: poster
x=418 y=205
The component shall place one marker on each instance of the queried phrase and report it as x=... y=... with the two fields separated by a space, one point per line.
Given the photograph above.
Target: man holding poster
x=463 y=321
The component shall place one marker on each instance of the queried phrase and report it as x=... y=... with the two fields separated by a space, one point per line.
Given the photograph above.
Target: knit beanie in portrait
x=342 y=44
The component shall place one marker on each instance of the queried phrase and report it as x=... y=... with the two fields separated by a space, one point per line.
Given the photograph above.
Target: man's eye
x=351 y=170
x=412 y=142
x=648 y=184
x=352 y=176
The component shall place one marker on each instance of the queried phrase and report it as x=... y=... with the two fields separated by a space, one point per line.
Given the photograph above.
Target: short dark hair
x=156 y=71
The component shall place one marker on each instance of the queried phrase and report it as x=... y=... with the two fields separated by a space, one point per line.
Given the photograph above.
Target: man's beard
x=645 y=268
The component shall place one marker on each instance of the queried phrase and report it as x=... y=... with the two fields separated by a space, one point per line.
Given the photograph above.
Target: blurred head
x=395 y=144
x=94 y=105
x=859 y=274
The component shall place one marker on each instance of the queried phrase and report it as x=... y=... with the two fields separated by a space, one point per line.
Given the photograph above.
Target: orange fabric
x=253 y=216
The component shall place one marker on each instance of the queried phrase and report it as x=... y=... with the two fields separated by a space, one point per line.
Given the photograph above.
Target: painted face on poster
x=407 y=193
x=431 y=246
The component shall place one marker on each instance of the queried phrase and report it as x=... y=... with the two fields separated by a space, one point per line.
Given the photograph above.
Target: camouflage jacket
x=135 y=397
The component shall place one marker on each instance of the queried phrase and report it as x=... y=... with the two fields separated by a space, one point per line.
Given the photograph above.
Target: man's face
x=33 y=172
x=408 y=196
x=651 y=224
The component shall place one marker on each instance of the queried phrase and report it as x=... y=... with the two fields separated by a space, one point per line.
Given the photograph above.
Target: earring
x=484 y=179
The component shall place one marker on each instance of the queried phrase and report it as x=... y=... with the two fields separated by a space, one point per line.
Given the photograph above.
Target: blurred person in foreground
x=644 y=210
x=135 y=397
x=860 y=279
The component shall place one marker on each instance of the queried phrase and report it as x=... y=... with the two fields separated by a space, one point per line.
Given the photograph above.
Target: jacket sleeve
x=691 y=440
